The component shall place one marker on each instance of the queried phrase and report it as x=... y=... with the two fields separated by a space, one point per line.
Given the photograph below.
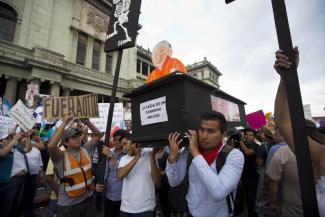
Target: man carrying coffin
x=73 y=167
x=140 y=174
x=208 y=189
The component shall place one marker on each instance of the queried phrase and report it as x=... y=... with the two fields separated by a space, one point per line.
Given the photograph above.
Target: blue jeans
x=51 y=209
x=11 y=194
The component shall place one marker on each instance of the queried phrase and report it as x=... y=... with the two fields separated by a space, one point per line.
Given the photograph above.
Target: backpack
x=238 y=201
x=177 y=195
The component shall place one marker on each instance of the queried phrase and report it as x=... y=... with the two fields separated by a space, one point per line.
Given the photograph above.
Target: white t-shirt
x=34 y=161
x=18 y=164
x=138 y=192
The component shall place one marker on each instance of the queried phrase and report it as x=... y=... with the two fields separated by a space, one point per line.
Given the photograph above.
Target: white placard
x=22 y=116
x=153 y=111
x=6 y=125
x=103 y=108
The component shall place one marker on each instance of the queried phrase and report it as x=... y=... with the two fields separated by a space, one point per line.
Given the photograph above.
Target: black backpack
x=239 y=200
x=177 y=195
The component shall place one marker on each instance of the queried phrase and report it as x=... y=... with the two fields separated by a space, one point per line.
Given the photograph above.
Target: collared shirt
x=208 y=190
x=113 y=185
x=273 y=149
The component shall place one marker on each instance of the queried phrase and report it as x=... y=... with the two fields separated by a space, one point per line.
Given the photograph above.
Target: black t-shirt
x=250 y=167
x=264 y=150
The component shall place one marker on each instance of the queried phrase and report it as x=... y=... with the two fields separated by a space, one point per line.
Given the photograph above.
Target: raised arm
x=176 y=164
x=155 y=171
x=6 y=149
x=97 y=135
x=53 y=148
x=281 y=109
x=247 y=151
x=124 y=171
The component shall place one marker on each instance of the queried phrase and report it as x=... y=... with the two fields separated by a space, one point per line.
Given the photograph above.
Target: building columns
x=66 y=92
x=11 y=90
x=55 y=89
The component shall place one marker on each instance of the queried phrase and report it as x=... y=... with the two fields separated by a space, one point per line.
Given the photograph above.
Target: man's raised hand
x=282 y=60
x=174 y=143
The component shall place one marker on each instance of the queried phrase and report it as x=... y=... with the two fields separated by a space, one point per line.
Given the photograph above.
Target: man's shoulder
x=235 y=153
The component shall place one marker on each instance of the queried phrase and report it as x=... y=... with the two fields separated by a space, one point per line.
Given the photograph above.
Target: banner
x=229 y=109
x=22 y=116
x=256 y=120
x=101 y=122
x=85 y=106
x=123 y=24
x=6 y=125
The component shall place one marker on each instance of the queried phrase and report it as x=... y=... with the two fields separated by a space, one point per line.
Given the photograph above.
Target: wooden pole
x=102 y=157
x=290 y=77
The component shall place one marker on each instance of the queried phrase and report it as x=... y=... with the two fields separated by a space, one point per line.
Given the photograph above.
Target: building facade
x=59 y=45
x=205 y=71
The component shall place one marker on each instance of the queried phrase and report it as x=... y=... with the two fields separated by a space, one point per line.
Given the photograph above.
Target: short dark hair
x=122 y=133
x=215 y=116
x=250 y=130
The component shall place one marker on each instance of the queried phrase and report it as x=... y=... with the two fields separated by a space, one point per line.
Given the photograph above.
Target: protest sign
x=123 y=25
x=6 y=124
x=153 y=111
x=32 y=90
x=22 y=116
x=85 y=106
x=256 y=120
x=103 y=108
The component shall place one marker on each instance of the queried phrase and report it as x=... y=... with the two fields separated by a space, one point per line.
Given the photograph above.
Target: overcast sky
x=240 y=40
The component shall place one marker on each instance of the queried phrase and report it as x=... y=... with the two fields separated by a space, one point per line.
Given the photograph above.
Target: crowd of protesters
x=220 y=173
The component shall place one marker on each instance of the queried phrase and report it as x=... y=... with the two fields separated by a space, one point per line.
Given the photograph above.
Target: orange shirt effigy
x=170 y=63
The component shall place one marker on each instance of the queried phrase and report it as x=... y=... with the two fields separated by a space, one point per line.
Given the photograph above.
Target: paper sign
x=256 y=120
x=103 y=108
x=153 y=111
x=6 y=124
x=32 y=90
x=85 y=106
x=22 y=116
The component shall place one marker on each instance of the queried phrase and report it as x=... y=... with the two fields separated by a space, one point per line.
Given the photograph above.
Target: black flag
x=123 y=25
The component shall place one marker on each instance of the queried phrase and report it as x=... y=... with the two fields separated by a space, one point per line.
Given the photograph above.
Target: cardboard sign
x=256 y=120
x=6 y=124
x=153 y=111
x=85 y=106
x=22 y=116
x=103 y=108
x=123 y=25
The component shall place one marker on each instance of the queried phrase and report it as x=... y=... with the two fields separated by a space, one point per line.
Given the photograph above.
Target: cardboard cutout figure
x=163 y=62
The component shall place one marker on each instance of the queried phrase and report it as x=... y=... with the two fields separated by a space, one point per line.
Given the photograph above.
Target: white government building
x=59 y=45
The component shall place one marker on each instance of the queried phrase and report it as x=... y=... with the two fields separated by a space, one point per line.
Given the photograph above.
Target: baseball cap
x=68 y=133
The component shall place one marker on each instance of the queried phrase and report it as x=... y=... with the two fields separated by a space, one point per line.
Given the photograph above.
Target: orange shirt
x=170 y=65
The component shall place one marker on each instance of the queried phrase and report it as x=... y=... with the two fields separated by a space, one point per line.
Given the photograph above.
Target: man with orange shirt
x=163 y=62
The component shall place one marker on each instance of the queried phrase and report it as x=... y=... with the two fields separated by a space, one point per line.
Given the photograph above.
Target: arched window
x=8 y=19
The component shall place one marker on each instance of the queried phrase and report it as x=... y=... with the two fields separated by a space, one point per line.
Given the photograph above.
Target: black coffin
x=172 y=103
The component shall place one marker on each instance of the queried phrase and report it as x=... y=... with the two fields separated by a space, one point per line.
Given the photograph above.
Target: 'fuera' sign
x=85 y=106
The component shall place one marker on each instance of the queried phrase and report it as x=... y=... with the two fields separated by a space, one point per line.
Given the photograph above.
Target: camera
x=235 y=136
